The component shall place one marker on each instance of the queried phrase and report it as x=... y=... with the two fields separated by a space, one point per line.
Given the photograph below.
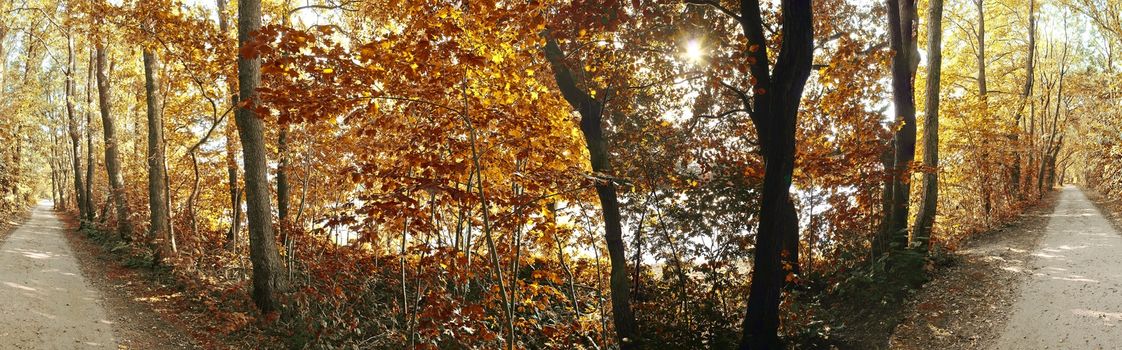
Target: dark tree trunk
x=112 y=160
x=157 y=197
x=283 y=188
x=268 y=276
x=88 y=191
x=282 y=175
x=775 y=108
x=901 y=19
x=927 y=207
x=591 y=125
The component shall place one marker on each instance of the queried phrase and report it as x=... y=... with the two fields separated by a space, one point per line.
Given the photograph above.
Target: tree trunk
x=983 y=95
x=927 y=207
x=56 y=198
x=591 y=125
x=981 y=54
x=901 y=19
x=88 y=191
x=1026 y=97
x=282 y=175
x=75 y=137
x=268 y=276
x=1050 y=147
x=112 y=160
x=231 y=149
x=157 y=197
x=775 y=107
x=282 y=187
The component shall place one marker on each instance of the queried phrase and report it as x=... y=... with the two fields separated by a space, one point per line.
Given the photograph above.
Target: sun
x=694 y=52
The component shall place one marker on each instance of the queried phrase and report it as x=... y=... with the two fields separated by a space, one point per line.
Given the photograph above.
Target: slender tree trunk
x=75 y=137
x=231 y=148
x=981 y=54
x=983 y=95
x=775 y=106
x=88 y=191
x=157 y=197
x=112 y=160
x=282 y=187
x=592 y=111
x=282 y=174
x=927 y=207
x=268 y=276
x=1050 y=146
x=56 y=198
x=1026 y=97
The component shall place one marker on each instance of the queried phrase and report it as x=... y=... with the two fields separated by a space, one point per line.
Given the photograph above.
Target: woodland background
x=538 y=174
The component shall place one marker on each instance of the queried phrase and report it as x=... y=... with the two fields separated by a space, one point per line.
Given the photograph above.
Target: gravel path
x=1074 y=298
x=45 y=303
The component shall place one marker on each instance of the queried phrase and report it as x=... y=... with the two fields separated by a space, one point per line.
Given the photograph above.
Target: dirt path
x=966 y=304
x=45 y=303
x=1074 y=297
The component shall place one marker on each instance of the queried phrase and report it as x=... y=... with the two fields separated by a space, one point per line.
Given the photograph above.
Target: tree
x=72 y=123
x=774 y=107
x=269 y=281
x=235 y=193
x=157 y=196
x=901 y=25
x=930 y=192
x=592 y=117
x=88 y=191
x=112 y=160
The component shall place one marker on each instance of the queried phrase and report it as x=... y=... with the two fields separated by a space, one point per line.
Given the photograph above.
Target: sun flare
x=694 y=52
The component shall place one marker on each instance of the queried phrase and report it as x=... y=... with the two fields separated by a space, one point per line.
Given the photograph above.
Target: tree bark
x=591 y=125
x=774 y=110
x=75 y=137
x=88 y=191
x=927 y=207
x=282 y=186
x=1050 y=146
x=112 y=160
x=987 y=191
x=231 y=149
x=1026 y=97
x=981 y=54
x=901 y=19
x=157 y=197
x=282 y=174
x=268 y=276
